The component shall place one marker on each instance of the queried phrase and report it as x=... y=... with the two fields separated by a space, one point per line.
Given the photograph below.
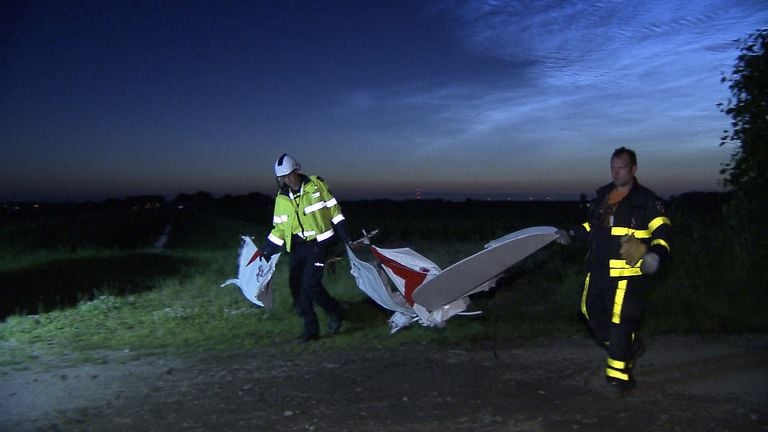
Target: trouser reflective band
x=613 y=373
x=617 y=369
x=584 y=297
x=617 y=364
x=618 y=301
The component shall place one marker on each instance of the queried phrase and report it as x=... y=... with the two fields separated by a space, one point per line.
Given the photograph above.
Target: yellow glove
x=632 y=249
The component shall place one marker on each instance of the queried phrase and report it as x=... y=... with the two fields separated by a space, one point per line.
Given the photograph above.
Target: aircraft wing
x=481 y=269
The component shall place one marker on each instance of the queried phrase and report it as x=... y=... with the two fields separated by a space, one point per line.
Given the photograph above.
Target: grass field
x=78 y=282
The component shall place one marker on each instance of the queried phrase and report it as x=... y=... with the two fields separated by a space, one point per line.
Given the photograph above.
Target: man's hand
x=632 y=249
x=261 y=254
x=256 y=256
x=354 y=245
x=563 y=237
x=650 y=263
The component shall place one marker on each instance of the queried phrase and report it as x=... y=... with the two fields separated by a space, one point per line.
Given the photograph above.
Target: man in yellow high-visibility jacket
x=628 y=237
x=305 y=220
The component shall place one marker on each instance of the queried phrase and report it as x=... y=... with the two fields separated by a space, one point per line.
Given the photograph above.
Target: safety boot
x=307 y=337
x=621 y=386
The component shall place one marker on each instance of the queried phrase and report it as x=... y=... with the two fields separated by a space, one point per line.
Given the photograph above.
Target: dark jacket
x=641 y=213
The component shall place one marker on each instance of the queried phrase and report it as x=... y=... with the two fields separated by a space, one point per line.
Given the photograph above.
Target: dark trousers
x=614 y=309
x=305 y=280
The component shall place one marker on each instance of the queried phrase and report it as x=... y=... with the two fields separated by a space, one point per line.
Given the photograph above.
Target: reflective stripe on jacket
x=310 y=213
x=641 y=213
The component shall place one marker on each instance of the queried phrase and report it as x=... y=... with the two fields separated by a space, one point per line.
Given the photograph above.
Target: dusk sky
x=105 y=99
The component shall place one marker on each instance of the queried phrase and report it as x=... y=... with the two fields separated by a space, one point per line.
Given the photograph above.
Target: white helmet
x=285 y=164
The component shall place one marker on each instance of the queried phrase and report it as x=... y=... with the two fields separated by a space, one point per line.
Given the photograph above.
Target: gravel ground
x=685 y=383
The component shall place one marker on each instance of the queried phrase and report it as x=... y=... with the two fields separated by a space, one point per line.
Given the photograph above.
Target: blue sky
x=498 y=98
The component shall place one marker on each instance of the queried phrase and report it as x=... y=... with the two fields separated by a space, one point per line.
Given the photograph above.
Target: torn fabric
x=254 y=274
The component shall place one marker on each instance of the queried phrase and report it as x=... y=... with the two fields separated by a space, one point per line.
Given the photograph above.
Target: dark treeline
x=137 y=222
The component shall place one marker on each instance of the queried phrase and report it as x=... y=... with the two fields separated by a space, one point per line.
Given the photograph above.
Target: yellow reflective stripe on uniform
x=620 y=268
x=617 y=364
x=314 y=207
x=586 y=226
x=660 y=242
x=657 y=222
x=584 y=297
x=618 y=301
x=338 y=219
x=625 y=272
x=305 y=213
x=275 y=239
x=620 y=264
x=613 y=373
x=325 y=235
x=621 y=231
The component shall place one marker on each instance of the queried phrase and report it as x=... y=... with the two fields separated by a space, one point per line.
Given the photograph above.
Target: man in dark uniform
x=628 y=238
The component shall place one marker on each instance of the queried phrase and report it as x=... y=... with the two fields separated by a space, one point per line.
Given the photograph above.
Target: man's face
x=291 y=180
x=622 y=170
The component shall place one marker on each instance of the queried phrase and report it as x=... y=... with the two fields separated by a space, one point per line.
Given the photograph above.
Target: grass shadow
x=65 y=282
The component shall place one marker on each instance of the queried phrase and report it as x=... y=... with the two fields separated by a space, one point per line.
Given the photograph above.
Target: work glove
x=563 y=237
x=355 y=245
x=341 y=229
x=267 y=250
x=256 y=256
x=650 y=263
x=632 y=249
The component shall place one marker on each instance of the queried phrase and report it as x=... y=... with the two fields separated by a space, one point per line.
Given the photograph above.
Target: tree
x=747 y=172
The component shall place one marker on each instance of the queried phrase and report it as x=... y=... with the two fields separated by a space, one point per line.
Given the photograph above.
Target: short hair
x=625 y=151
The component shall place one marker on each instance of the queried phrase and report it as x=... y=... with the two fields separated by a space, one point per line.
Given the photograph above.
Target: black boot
x=307 y=337
x=621 y=386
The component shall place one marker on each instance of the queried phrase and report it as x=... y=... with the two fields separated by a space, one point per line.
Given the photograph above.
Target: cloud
x=608 y=42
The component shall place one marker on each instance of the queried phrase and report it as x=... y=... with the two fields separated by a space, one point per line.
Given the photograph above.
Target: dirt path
x=685 y=384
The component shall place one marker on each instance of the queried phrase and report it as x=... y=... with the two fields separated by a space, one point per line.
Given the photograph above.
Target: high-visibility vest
x=309 y=213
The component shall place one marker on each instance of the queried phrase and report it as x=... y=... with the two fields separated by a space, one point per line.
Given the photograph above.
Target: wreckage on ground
x=405 y=282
